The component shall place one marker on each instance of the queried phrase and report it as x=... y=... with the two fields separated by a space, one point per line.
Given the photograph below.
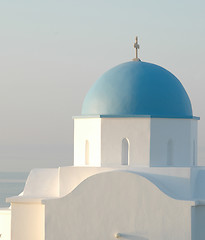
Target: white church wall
x=5 y=224
x=137 y=133
x=42 y=182
x=194 y=142
x=27 y=221
x=198 y=216
x=95 y=208
x=172 y=141
x=87 y=141
x=71 y=177
x=173 y=180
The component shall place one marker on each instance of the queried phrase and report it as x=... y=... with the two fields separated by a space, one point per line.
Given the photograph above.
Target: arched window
x=125 y=151
x=87 y=160
x=170 y=152
x=194 y=153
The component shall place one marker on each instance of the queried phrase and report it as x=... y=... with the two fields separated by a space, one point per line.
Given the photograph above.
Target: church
x=135 y=173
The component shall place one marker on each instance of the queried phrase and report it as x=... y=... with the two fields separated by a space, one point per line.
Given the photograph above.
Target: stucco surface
x=136 y=130
x=90 y=130
x=5 y=224
x=182 y=133
x=42 y=182
x=71 y=177
x=198 y=227
x=148 y=140
x=27 y=221
x=117 y=202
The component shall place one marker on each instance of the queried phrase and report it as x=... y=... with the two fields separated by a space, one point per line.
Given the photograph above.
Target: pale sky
x=51 y=52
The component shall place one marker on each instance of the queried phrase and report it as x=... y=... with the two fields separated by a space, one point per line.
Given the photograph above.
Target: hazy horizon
x=53 y=51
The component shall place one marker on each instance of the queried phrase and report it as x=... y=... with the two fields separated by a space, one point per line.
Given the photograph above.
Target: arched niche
x=194 y=153
x=87 y=154
x=125 y=151
x=170 y=152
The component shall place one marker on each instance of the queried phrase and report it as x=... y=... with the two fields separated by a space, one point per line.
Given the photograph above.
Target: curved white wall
x=117 y=202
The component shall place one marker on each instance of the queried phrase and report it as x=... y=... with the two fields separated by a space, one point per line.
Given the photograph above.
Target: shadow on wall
x=130 y=236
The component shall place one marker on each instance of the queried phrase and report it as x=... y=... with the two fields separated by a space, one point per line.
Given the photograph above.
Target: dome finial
x=136 y=46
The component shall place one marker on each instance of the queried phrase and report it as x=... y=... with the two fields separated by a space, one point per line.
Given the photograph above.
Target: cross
x=137 y=46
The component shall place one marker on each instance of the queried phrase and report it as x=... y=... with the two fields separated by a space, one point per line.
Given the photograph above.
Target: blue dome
x=138 y=88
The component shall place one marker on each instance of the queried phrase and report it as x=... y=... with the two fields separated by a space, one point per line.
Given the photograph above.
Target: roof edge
x=133 y=116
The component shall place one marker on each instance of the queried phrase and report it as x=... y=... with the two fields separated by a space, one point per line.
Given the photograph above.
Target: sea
x=11 y=184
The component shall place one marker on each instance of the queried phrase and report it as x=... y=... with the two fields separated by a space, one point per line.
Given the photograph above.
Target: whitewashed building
x=135 y=173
